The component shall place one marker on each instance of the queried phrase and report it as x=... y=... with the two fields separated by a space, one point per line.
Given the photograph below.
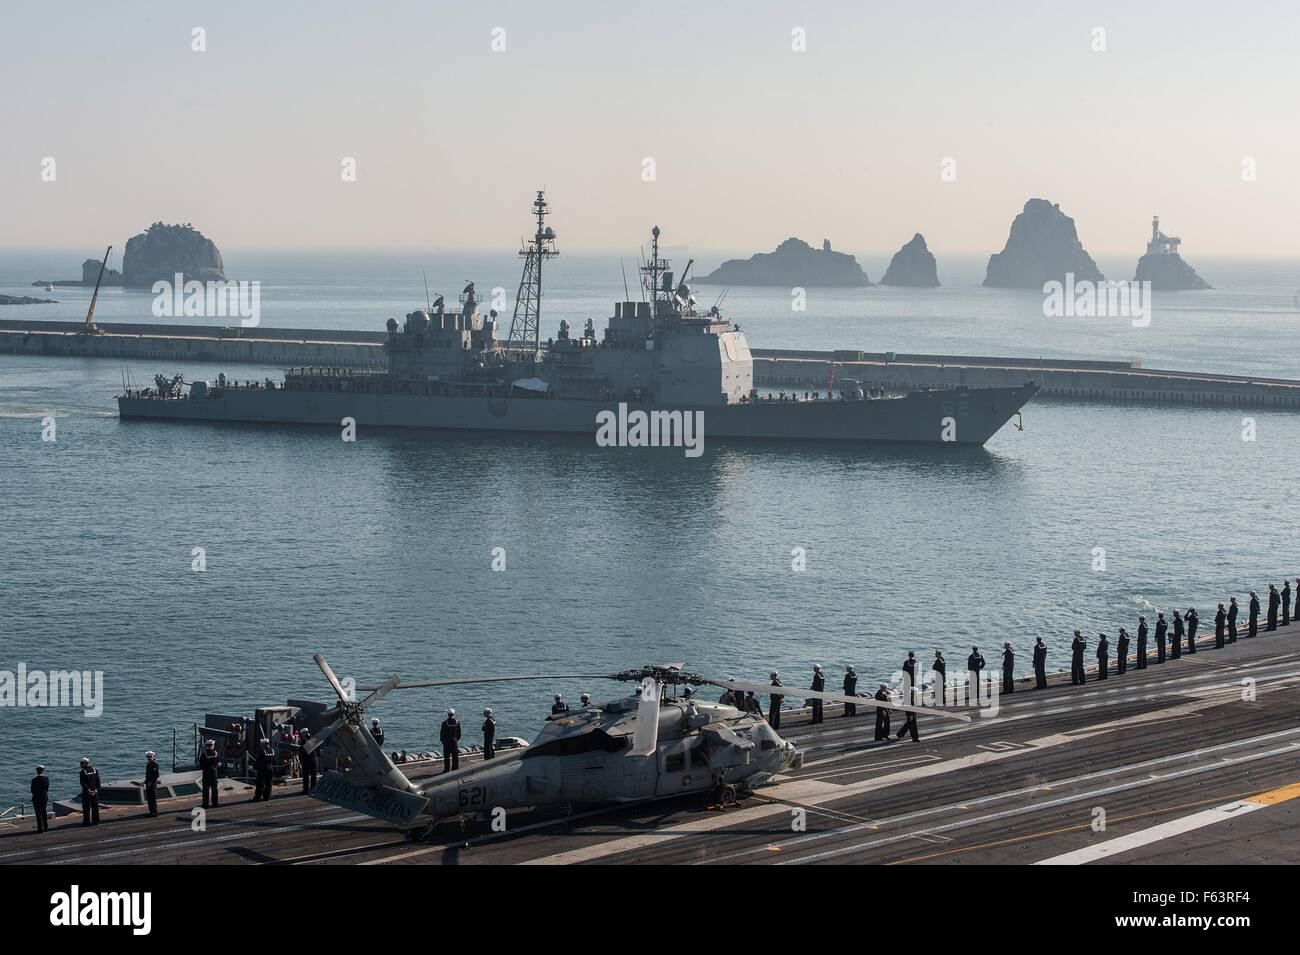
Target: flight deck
x=1194 y=761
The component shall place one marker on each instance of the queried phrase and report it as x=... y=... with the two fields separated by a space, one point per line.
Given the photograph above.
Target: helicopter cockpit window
x=591 y=742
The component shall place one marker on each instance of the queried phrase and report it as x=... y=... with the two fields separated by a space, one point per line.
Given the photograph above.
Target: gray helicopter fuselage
x=585 y=757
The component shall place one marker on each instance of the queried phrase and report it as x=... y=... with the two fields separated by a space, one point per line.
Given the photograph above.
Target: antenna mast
x=526 y=324
x=655 y=269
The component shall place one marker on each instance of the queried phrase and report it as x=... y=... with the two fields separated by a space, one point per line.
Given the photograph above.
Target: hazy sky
x=752 y=141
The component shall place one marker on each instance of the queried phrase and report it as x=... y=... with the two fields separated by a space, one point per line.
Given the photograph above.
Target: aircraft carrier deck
x=1184 y=769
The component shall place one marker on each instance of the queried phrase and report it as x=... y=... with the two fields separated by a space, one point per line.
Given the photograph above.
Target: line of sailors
x=1170 y=645
x=1167 y=644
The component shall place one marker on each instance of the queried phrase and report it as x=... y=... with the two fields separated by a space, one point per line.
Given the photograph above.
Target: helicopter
x=646 y=746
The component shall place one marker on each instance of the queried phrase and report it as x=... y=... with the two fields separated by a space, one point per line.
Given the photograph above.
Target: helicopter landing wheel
x=420 y=834
x=724 y=795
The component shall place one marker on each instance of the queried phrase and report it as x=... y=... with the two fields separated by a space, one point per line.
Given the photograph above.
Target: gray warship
x=662 y=366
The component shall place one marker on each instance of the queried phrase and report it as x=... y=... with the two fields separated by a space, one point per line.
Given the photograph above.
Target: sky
x=940 y=118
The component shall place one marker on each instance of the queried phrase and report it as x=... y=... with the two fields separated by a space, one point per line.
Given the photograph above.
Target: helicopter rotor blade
x=837 y=698
x=380 y=692
x=318 y=740
x=420 y=684
x=329 y=675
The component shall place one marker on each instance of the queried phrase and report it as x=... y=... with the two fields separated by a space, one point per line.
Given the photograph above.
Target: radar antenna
x=526 y=324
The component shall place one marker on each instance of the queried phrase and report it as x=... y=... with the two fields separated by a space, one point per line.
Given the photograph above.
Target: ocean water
x=379 y=553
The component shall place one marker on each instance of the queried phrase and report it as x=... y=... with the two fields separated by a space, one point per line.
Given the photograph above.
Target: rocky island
x=157 y=254
x=912 y=266
x=794 y=263
x=1163 y=267
x=1043 y=247
x=25 y=300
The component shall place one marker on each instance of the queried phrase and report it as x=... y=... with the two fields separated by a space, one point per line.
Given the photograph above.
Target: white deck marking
x=1175 y=827
x=1023 y=810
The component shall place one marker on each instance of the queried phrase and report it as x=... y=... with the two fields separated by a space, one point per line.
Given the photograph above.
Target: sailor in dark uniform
x=377 y=732
x=1220 y=627
x=1040 y=664
x=774 y=704
x=940 y=678
x=1142 y=644
x=1103 y=656
x=1162 y=627
x=975 y=664
x=909 y=727
x=1253 y=624
x=882 y=713
x=818 y=686
x=1121 y=652
x=1008 y=668
x=1274 y=601
x=1193 y=621
x=449 y=736
x=306 y=762
x=152 y=773
x=1176 y=648
x=850 y=689
x=262 y=765
x=1233 y=609
x=911 y=691
x=1077 y=646
x=489 y=734
x=89 y=793
x=559 y=707
x=208 y=764
x=1286 y=601
x=40 y=799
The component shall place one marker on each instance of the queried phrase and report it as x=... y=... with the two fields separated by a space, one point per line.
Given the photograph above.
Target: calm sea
x=379 y=553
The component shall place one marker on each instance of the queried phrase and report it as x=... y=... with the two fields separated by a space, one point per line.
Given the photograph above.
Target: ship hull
x=956 y=416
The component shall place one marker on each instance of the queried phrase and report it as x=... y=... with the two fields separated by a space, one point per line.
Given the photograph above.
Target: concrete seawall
x=284 y=347
x=1063 y=379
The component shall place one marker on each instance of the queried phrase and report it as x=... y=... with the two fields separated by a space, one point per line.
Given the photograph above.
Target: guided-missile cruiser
x=665 y=373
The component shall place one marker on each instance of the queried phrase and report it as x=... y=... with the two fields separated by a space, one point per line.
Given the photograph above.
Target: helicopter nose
x=792 y=758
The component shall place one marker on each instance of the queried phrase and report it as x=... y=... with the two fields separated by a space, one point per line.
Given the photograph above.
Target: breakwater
x=1064 y=379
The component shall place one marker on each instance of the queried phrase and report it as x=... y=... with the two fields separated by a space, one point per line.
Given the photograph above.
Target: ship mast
x=655 y=269
x=526 y=324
